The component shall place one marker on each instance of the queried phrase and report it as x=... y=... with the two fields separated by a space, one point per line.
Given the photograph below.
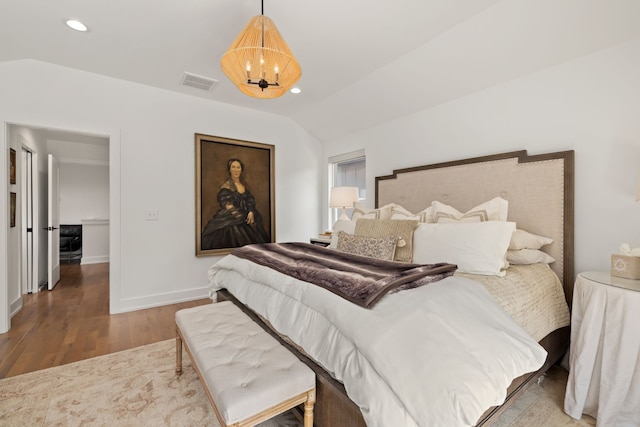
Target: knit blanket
x=361 y=280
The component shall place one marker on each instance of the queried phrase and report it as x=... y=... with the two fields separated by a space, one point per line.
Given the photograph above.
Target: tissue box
x=625 y=266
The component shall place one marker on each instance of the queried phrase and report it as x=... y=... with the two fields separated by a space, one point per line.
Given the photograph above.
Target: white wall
x=19 y=137
x=590 y=105
x=95 y=241
x=151 y=137
x=84 y=192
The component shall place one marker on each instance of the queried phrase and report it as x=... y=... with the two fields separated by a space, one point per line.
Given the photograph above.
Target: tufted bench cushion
x=247 y=374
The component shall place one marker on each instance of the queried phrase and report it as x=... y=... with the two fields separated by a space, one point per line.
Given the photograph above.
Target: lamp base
x=343 y=216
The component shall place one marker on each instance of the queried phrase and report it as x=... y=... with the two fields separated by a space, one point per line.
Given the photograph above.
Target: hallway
x=72 y=323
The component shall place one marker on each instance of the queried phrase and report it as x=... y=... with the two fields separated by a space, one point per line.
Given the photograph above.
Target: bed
x=539 y=192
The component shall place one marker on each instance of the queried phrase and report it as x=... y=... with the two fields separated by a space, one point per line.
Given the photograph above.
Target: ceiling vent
x=199 y=82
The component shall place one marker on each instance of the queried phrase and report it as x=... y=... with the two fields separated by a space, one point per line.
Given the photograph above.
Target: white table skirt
x=604 y=376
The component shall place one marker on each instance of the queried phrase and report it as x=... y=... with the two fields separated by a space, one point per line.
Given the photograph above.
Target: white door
x=53 y=222
x=27 y=223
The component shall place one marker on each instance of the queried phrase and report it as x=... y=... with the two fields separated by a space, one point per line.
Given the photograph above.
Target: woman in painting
x=237 y=222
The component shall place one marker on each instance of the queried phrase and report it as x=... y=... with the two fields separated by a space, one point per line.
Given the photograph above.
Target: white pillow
x=361 y=211
x=524 y=240
x=528 y=256
x=476 y=247
x=341 y=225
x=398 y=212
x=495 y=209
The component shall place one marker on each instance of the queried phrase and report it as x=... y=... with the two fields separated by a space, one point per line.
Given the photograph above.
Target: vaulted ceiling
x=363 y=62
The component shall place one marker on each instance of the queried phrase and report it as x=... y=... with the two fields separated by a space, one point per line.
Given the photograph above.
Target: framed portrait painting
x=12 y=209
x=235 y=194
x=12 y=166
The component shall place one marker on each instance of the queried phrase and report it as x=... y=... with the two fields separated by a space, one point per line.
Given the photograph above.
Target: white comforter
x=438 y=355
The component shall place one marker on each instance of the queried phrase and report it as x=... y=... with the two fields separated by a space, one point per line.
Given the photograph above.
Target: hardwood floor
x=72 y=323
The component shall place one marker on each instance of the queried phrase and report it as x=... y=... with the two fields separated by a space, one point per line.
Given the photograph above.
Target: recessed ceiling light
x=295 y=90
x=76 y=25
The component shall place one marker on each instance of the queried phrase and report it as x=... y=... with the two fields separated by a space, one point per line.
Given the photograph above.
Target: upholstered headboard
x=539 y=190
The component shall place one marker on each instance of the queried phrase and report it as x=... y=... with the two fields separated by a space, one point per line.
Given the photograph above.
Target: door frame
x=113 y=134
x=29 y=159
x=53 y=221
x=5 y=321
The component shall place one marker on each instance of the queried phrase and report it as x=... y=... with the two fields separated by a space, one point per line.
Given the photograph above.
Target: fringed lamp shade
x=259 y=61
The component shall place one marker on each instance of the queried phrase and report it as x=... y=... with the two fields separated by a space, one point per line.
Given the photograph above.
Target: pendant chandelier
x=259 y=61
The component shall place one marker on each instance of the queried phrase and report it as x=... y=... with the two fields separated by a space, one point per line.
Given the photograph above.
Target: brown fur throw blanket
x=361 y=280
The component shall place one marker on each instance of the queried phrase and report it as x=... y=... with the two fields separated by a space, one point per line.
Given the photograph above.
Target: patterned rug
x=542 y=405
x=138 y=387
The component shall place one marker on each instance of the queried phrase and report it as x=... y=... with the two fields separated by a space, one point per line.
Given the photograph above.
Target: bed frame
x=540 y=193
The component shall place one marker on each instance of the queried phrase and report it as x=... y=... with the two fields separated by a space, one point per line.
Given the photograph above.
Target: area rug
x=541 y=405
x=138 y=387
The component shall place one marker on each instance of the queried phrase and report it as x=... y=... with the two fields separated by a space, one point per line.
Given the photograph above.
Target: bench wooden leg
x=178 y=352
x=308 y=408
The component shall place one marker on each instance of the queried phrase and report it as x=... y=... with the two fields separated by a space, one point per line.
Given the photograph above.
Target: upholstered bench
x=247 y=374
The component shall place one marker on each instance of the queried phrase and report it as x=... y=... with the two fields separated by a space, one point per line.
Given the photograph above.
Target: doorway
x=16 y=135
x=83 y=191
x=82 y=188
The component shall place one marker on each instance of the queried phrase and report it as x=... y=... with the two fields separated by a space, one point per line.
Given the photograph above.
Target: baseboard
x=132 y=304
x=94 y=259
x=15 y=307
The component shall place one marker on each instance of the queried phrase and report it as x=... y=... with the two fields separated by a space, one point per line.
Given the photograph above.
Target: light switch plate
x=151 y=215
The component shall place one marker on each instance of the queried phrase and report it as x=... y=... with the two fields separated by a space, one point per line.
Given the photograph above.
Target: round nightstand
x=605 y=278
x=604 y=358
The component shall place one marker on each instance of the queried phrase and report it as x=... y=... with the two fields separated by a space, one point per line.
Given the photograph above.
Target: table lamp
x=343 y=197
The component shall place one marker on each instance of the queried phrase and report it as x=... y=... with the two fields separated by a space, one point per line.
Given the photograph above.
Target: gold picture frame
x=235 y=194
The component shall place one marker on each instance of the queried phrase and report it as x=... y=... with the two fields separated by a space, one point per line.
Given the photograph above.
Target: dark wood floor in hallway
x=72 y=323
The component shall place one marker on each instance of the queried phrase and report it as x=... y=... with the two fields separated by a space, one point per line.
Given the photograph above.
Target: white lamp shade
x=343 y=197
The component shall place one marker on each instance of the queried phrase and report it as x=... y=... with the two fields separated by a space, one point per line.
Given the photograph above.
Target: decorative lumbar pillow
x=400 y=229
x=475 y=247
x=398 y=212
x=524 y=240
x=528 y=256
x=495 y=209
x=360 y=211
x=341 y=225
x=380 y=248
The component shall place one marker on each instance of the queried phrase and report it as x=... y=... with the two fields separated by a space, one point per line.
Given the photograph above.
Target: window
x=347 y=170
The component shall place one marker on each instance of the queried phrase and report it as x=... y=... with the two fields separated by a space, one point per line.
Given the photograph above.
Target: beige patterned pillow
x=399 y=212
x=383 y=248
x=495 y=209
x=361 y=211
x=402 y=229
